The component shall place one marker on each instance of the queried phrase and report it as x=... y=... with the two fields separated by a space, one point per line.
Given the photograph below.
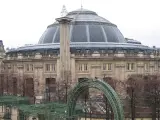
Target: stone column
x=65 y=68
x=39 y=81
x=14 y=115
x=20 y=78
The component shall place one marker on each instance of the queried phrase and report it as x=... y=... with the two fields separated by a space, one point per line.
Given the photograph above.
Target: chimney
x=65 y=68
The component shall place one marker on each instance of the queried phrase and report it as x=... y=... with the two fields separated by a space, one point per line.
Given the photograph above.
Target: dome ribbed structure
x=86 y=26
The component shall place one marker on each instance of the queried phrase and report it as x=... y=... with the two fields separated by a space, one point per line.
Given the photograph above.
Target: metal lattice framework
x=69 y=110
x=11 y=100
x=48 y=110
x=107 y=90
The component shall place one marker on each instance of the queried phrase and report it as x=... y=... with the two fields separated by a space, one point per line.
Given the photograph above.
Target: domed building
x=97 y=49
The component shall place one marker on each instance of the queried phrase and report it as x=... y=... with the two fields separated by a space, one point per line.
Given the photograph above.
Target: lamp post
x=158 y=105
x=47 y=94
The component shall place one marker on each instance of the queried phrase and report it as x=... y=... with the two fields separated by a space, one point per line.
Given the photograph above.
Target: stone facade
x=2 y=54
x=89 y=66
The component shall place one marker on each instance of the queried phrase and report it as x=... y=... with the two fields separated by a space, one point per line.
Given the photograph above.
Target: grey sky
x=24 y=21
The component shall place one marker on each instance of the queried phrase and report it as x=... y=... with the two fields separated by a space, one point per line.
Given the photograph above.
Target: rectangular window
x=85 y=67
x=15 y=68
x=109 y=66
x=27 y=67
x=53 y=67
x=130 y=66
x=146 y=66
x=47 y=67
x=80 y=67
x=31 y=67
x=104 y=66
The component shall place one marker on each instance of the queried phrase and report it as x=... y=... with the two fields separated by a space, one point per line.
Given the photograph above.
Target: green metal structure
x=107 y=90
x=60 y=111
x=11 y=100
x=47 y=111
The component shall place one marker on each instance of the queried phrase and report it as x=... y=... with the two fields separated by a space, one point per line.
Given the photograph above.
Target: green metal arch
x=107 y=90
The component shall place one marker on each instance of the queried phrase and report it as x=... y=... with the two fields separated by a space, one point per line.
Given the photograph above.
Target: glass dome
x=86 y=26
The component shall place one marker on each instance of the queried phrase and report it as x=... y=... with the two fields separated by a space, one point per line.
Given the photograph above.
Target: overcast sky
x=24 y=21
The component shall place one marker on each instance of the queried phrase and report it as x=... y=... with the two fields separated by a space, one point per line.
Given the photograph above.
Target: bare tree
x=62 y=88
x=134 y=91
x=152 y=94
x=7 y=84
x=1 y=83
x=109 y=112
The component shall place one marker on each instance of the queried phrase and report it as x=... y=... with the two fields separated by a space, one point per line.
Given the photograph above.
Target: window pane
x=85 y=67
x=79 y=33
x=80 y=67
x=31 y=67
x=96 y=34
x=132 y=66
x=53 y=67
x=104 y=66
x=127 y=66
x=57 y=38
x=27 y=67
x=119 y=35
x=49 y=36
x=111 y=35
x=109 y=66
x=47 y=67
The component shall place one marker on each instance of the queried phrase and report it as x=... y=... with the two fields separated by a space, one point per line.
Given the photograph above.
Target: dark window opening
x=50 y=89
x=14 y=86
x=29 y=87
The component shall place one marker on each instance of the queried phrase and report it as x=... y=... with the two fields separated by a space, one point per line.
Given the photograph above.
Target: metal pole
x=90 y=114
x=66 y=93
x=158 y=106
x=155 y=100
x=49 y=98
x=7 y=84
x=85 y=107
x=23 y=87
x=132 y=104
